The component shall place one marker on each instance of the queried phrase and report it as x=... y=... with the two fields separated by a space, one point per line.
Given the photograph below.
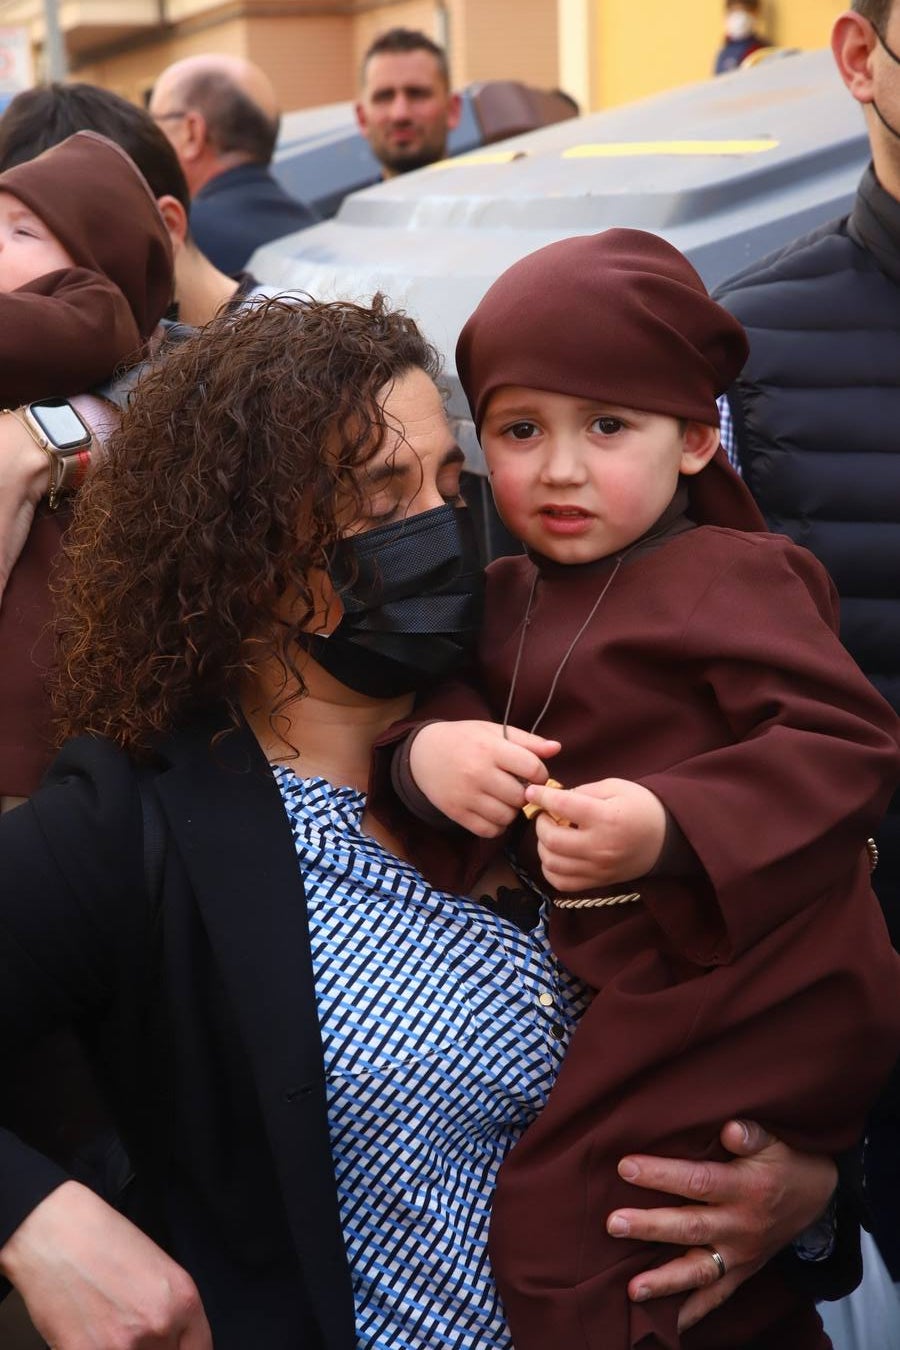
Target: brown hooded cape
x=760 y=985
x=756 y=981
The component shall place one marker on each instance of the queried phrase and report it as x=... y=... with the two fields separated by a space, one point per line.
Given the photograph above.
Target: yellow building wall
x=506 y=40
x=131 y=73
x=371 y=21
x=604 y=52
x=309 y=60
x=315 y=57
x=642 y=47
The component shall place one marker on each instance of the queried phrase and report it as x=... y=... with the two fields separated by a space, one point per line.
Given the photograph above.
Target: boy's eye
x=607 y=426
x=522 y=431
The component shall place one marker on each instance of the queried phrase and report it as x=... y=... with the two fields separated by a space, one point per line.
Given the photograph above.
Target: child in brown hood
x=705 y=866
x=85 y=269
x=85 y=277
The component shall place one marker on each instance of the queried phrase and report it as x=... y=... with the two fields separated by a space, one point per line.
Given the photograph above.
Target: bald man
x=221 y=115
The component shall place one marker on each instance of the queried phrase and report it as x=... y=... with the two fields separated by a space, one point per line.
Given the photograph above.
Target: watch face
x=61 y=424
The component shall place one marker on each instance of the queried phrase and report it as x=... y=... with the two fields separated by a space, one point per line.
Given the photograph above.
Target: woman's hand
x=747 y=1209
x=92 y=1281
x=614 y=830
x=475 y=774
x=24 y=479
x=25 y=474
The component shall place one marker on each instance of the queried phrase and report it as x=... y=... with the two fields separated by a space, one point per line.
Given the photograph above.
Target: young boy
x=724 y=759
x=85 y=277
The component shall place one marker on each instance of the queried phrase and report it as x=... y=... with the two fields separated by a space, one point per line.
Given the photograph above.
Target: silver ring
x=721 y=1268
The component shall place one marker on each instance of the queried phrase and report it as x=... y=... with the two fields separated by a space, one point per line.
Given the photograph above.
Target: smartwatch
x=66 y=439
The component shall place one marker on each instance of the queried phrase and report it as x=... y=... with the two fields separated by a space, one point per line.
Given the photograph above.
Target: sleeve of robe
x=783 y=812
x=449 y=856
x=62 y=334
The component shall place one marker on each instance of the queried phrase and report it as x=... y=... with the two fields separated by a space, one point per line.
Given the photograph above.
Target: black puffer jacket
x=817 y=424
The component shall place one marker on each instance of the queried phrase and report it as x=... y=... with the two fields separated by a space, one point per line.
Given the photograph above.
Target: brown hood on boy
x=93 y=197
x=620 y=316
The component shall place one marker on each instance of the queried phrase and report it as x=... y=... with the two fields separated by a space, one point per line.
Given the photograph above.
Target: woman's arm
x=748 y=1210
x=25 y=475
x=72 y=864
x=89 y=1278
x=24 y=480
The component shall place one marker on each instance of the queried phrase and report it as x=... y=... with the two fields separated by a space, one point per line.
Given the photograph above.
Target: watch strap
x=68 y=468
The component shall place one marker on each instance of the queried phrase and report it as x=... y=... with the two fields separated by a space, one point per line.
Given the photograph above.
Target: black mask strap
x=896 y=59
x=883 y=40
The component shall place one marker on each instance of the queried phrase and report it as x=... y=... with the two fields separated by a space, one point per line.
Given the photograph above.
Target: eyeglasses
x=169 y=116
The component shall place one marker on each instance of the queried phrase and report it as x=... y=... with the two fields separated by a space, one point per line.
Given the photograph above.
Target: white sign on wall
x=16 y=64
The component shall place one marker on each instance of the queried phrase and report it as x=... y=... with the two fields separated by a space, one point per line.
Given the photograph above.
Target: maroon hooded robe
x=758 y=981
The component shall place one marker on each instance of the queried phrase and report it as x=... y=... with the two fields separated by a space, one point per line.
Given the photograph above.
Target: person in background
x=81 y=221
x=58 y=1082
x=741 y=36
x=221 y=115
x=35 y=120
x=812 y=421
x=40 y=117
x=83 y=299
x=406 y=106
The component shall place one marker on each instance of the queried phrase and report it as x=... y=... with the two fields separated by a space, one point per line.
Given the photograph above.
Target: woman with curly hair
x=316 y=1060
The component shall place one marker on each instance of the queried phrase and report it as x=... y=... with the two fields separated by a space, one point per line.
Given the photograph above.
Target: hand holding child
x=617 y=832
x=475 y=774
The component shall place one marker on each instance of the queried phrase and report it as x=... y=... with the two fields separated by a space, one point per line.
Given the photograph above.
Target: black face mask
x=412 y=595
x=878 y=113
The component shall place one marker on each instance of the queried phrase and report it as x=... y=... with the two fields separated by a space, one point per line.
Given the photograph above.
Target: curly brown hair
x=226 y=483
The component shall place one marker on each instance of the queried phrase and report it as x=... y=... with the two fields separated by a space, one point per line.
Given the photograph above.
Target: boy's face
x=27 y=248
x=578 y=479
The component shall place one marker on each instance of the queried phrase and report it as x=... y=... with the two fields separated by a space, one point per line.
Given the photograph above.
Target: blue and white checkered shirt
x=726 y=432
x=443 y=1028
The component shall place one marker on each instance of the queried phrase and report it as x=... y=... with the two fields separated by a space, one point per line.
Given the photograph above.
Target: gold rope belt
x=596 y=901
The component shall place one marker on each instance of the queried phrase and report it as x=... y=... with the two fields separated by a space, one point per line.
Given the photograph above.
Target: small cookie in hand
x=531 y=809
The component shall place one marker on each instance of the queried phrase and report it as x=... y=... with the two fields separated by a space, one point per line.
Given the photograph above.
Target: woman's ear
x=699 y=442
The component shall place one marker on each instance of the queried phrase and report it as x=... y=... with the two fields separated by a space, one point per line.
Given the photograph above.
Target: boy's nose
x=563 y=462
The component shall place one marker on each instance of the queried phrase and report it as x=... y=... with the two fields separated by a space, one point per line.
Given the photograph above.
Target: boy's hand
x=617 y=832
x=476 y=775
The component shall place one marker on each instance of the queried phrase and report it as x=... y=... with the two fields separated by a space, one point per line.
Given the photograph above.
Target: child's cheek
x=509 y=492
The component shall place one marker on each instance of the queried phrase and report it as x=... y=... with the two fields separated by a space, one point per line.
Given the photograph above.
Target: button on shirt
x=443 y=1027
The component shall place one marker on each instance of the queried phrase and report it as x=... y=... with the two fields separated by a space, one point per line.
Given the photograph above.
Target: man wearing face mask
x=815 y=413
x=741 y=37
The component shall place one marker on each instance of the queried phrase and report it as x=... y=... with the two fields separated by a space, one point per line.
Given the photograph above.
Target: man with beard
x=406 y=106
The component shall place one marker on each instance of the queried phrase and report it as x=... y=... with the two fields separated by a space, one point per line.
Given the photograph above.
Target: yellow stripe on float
x=624 y=149
x=479 y=157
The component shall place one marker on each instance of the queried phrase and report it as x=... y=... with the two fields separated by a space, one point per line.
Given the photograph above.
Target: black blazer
x=201 y=1019
x=239 y=210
